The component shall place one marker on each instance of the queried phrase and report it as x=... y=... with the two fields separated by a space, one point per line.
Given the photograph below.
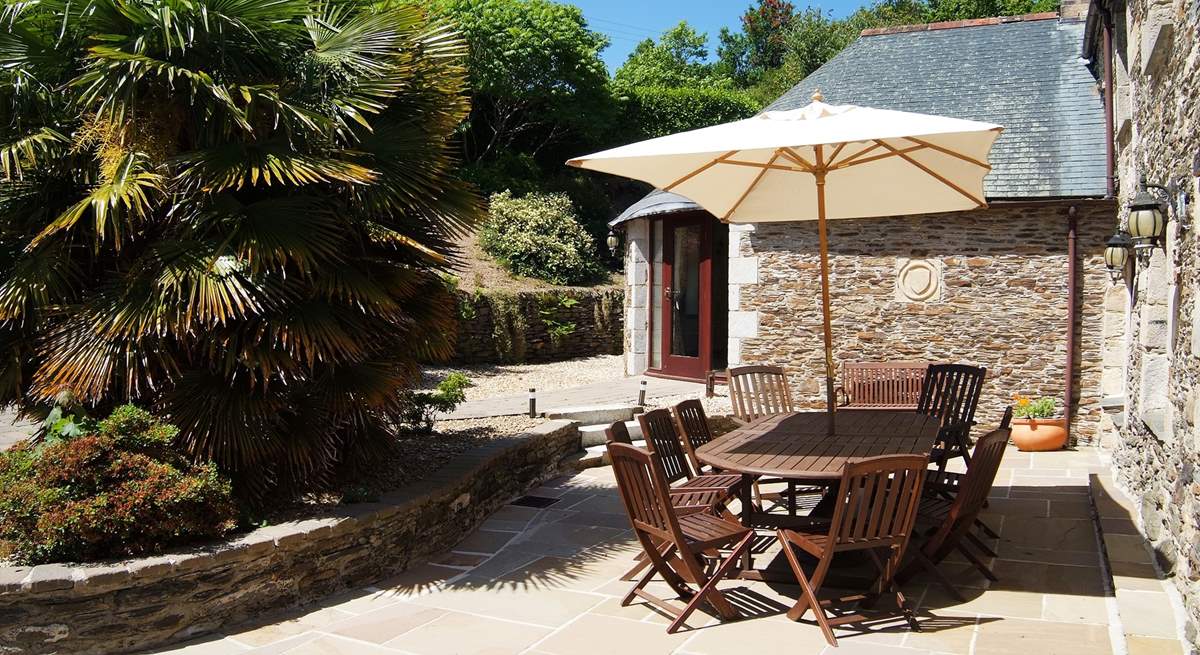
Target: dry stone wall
x=1157 y=446
x=539 y=326
x=125 y=606
x=987 y=287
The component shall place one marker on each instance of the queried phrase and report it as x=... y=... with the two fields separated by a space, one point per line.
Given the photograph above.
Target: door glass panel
x=656 y=296
x=685 y=291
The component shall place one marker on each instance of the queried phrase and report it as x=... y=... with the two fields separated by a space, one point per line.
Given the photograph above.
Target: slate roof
x=1023 y=74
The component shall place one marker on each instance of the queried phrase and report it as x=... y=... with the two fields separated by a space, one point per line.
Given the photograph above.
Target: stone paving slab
x=612 y=392
x=548 y=584
x=13 y=430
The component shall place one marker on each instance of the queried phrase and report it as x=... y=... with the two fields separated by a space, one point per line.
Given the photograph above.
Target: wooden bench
x=881 y=385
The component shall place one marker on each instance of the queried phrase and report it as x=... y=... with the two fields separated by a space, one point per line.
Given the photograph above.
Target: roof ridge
x=955 y=24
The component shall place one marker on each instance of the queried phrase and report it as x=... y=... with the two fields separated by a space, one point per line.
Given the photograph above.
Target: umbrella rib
x=867 y=160
x=847 y=161
x=700 y=170
x=796 y=157
x=749 y=189
x=755 y=164
x=950 y=152
x=933 y=174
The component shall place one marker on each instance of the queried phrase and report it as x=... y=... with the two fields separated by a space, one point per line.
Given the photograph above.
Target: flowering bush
x=1026 y=407
x=119 y=490
x=539 y=235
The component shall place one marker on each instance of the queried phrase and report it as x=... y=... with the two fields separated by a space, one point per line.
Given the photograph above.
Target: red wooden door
x=687 y=296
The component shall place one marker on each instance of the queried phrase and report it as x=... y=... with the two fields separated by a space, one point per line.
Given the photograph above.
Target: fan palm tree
x=232 y=212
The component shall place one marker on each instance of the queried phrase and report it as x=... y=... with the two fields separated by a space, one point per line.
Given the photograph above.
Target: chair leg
x=983 y=568
x=808 y=591
x=709 y=592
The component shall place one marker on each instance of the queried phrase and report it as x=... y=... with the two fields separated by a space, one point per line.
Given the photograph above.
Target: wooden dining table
x=813 y=446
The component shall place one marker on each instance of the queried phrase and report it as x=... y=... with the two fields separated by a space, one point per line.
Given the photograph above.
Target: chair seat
x=933 y=509
x=943 y=482
x=724 y=482
x=701 y=498
x=708 y=530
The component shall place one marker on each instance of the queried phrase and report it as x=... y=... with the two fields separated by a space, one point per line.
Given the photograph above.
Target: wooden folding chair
x=691 y=542
x=954 y=519
x=757 y=392
x=950 y=393
x=875 y=509
x=692 y=424
x=946 y=484
x=659 y=430
x=685 y=501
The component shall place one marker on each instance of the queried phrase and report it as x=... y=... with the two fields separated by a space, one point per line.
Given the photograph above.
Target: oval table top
x=798 y=445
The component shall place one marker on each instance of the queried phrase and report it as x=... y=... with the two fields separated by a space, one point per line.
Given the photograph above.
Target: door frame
x=680 y=366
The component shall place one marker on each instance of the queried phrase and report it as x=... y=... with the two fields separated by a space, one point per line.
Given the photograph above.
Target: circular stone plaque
x=918 y=280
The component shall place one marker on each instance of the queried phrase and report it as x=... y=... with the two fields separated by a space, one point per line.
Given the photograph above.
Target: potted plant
x=1034 y=426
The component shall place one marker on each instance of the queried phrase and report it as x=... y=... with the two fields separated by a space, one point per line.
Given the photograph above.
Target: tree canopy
x=536 y=76
x=231 y=212
x=677 y=59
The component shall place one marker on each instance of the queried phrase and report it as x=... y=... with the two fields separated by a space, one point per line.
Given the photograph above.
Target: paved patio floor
x=545 y=581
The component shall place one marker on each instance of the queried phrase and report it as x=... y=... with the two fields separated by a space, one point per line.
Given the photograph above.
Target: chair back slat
x=617 y=433
x=644 y=490
x=692 y=424
x=659 y=430
x=1006 y=421
x=878 y=500
x=950 y=392
x=758 y=391
x=973 y=491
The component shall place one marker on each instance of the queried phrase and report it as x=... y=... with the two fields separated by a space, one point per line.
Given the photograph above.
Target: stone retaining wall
x=125 y=606
x=537 y=326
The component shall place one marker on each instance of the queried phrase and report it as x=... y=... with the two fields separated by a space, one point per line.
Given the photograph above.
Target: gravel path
x=492 y=380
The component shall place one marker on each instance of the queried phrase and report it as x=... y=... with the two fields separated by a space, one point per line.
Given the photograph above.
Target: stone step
x=593 y=435
x=595 y=414
x=591 y=457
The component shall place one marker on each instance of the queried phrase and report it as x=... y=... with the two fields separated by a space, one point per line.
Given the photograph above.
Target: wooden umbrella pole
x=825 y=312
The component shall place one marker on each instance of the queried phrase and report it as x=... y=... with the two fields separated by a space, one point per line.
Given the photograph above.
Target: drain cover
x=534 y=501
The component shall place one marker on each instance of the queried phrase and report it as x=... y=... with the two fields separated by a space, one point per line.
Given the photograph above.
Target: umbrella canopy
x=819 y=162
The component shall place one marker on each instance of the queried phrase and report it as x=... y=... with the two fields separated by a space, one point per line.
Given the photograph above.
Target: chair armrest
x=843 y=397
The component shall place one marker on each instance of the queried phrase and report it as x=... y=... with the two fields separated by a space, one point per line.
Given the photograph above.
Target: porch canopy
x=818 y=162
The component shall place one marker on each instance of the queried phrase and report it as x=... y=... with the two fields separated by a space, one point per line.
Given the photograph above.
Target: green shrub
x=422 y=407
x=118 y=491
x=539 y=236
x=650 y=112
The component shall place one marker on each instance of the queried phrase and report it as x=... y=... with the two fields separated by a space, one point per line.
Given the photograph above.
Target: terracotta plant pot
x=1038 y=434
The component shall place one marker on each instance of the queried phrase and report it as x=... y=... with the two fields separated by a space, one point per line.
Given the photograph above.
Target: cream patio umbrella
x=819 y=162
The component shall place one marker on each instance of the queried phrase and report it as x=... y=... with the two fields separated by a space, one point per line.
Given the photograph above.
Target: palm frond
x=26 y=151
x=116 y=205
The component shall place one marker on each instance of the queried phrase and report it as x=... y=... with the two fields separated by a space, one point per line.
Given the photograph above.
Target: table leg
x=747 y=500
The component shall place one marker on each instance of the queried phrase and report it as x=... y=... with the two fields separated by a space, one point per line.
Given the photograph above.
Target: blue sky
x=628 y=21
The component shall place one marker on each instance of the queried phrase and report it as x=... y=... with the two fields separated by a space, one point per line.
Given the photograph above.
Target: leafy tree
x=539 y=236
x=942 y=10
x=764 y=27
x=733 y=58
x=232 y=212
x=535 y=72
x=678 y=59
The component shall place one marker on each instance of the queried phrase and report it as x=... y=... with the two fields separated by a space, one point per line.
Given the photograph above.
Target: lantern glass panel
x=1146 y=223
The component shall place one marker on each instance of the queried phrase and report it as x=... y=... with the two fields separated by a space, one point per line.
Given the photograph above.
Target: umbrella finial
x=817 y=97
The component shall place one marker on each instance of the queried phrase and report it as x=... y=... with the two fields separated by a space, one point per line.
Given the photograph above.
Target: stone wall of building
x=1156 y=449
x=986 y=287
x=127 y=606
x=539 y=326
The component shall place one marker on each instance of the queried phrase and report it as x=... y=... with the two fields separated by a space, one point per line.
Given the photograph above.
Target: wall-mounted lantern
x=613 y=241
x=1148 y=214
x=1116 y=254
